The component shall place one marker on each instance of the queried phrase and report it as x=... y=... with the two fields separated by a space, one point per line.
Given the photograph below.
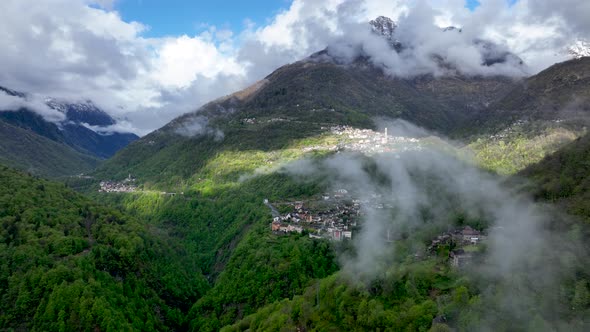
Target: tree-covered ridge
x=563 y=178
x=405 y=301
x=263 y=269
x=70 y=264
x=417 y=293
x=225 y=229
x=28 y=151
x=534 y=119
x=560 y=91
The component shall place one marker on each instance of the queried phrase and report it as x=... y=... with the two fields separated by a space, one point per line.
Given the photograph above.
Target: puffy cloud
x=83 y=49
x=180 y=60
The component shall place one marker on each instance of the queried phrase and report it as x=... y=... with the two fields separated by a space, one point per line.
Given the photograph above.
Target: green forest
x=205 y=260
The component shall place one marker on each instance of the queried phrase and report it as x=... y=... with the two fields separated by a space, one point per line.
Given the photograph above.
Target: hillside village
x=332 y=216
x=366 y=141
x=464 y=244
x=355 y=139
x=370 y=141
x=335 y=216
x=125 y=186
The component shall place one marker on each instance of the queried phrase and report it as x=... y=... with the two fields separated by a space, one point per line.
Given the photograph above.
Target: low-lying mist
x=531 y=254
x=198 y=126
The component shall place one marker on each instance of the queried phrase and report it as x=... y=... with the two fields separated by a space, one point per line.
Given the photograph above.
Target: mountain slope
x=535 y=119
x=300 y=101
x=564 y=178
x=36 y=154
x=75 y=129
x=73 y=134
x=560 y=92
x=297 y=100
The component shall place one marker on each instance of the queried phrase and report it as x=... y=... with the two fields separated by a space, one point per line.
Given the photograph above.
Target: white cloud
x=15 y=103
x=180 y=60
x=72 y=50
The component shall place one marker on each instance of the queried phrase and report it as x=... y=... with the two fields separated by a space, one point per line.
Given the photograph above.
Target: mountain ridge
x=75 y=129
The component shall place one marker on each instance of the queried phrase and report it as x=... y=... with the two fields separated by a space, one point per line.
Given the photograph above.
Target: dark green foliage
x=225 y=231
x=564 y=177
x=28 y=151
x=263 y=269
x=69 y=264
x=560 y=92
x=405 y=300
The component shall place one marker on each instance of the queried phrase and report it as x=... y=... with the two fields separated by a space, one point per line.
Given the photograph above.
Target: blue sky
x=177 y=17
x=471 y=4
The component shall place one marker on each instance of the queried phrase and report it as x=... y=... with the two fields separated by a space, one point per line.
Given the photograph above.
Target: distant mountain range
x=77 y=134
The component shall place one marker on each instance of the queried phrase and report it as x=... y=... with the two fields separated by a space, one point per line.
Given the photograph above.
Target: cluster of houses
x=335 y=222
x=125 y=186
x=512 y=129
x=366 y=141
x=338 y=218
x=116 y=187
x=369 y=141
x=251 y=121
x=334 y=215
x=463 y=238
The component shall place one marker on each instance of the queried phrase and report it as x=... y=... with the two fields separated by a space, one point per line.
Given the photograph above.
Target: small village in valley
x=332 y=216
x=336 y=216
x=125 y=186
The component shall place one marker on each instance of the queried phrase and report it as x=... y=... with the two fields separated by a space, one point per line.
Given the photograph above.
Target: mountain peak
x=12 y=92
x=580 y=49
x=452 y=28
x=383 y=26
x=82 y=112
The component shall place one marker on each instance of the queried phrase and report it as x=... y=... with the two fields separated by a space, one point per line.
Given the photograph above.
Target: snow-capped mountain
x=384 y=26
x=580 y=49
x=84 y=112
x=81 y=128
